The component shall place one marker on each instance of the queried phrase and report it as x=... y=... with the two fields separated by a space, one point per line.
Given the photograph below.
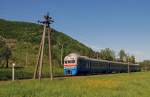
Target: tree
x=5 y=53
x=107 y=54
x=122 y=56
x=2 y=45
x=132 y=59
x=145 y=65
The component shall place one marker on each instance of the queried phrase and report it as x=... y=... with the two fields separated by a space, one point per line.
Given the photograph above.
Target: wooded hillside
x=26 y=39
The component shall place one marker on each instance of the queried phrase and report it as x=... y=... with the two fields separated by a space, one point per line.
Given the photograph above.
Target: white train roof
x=77 y=56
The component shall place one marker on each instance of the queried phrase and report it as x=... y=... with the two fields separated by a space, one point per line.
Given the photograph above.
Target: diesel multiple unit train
x=75 y=64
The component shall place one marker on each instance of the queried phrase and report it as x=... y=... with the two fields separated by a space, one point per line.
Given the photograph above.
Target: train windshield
x=70 y=61
x=65 y=62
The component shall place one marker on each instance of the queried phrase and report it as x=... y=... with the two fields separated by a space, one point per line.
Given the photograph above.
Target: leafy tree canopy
x=107 y=54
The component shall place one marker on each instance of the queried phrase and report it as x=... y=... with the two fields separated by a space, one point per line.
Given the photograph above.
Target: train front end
x=70 y=65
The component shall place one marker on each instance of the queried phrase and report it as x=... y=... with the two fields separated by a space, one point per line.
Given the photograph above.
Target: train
x=75 y=64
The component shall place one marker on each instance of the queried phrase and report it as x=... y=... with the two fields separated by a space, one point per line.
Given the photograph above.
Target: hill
x=27 y=39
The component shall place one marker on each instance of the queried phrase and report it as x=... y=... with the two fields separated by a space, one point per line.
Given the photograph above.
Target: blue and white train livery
x=75 y=64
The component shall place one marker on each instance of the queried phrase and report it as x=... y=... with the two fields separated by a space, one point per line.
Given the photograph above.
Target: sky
x=115 y=24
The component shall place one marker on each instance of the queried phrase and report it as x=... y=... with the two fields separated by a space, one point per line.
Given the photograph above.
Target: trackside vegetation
x=112 y=85
x=27 y=38
x=19 y=43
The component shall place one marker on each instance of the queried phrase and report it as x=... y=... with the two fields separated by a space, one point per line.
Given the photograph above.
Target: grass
x=113 y=85
x=27 y=72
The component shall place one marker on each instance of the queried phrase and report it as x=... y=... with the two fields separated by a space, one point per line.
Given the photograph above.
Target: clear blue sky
x=117 y=24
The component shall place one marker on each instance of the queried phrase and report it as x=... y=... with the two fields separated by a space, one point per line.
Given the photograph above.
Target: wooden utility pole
x=128 y=64
x=128 y=67
x=50 y=57
x=26 y=62
x=62 y=47
x=46 y=31
x=61 y=52
x=97 y=56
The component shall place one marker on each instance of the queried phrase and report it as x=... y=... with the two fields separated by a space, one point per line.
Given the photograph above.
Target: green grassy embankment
x=112 y=85
x=24 y=49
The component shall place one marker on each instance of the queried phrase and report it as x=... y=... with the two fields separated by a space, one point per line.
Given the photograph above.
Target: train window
x=80 y=61
x=65 y=62
x=71 y=61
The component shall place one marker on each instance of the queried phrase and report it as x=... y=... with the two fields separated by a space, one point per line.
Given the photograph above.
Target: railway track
x=86 y=76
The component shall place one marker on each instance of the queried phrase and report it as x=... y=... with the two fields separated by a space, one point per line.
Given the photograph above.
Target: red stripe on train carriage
x=70 y=65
